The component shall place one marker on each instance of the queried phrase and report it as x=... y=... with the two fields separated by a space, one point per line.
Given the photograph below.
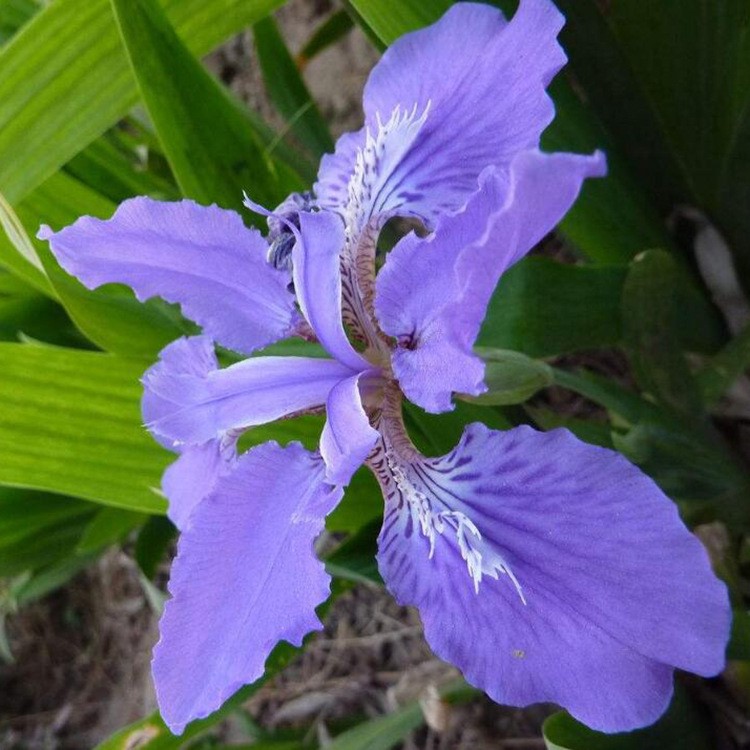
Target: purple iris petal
x=559 y=572
x=432 y=293
x=185 y=405
x=347 y=437
x=193 y=476
x=245 y=577
x=472 y=86
x=202 y=257
x=317 y=282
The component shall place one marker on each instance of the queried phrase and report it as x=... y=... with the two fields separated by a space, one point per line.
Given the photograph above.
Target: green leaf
x=288 y=91
x=13 y=15
x=108 y=526
x=362 y=503
x=66 y=78
x=37 y=529
x=25 y=314
x=611 y=220
x=739 y=642
x=24 y=513
x=651 y=318
x=543 y=308
x=511 y=377
x=17 y=253
x=381 y=733
x=206 y=137
x=354 y=560
x=685 y=726
x=385 y=732
x=118 y=172
x=70 y=423
x=683 y=66
x=390 y=20
x=334 y=28
x=721 y=371
x=152 y=544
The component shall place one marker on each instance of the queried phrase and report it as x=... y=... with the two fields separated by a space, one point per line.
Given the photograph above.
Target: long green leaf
x=66 y=78
x=13 y=15
x=651 y=321
x=70 y=423
x=542 y=308
x=336 y=26
x=389 y=20
x=207 y=139
x=288 y=91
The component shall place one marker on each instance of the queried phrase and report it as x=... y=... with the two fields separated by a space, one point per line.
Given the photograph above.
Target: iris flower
x=544 y=568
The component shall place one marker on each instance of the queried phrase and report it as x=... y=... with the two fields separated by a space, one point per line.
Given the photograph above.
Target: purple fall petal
x=202 y=257
x=559 y=573
x=245 y=577
x=472 y=85
x=347 y=437
x=432 y=293
x=317 y=282
x=193 y=476
x=186 y=405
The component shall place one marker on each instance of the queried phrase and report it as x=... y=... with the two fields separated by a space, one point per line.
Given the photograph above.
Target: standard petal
x=186 y=404
x=433 y=292
x=202 y=257
x=550 y=570
x=245 y=578
x=317 y=282
x=347 y=437
x=442 y=104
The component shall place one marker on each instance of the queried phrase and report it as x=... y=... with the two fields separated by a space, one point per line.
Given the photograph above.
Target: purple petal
x=185 y=404
x=202 y=257
x=347 y=437
x=559 y=573
x=245 y=578
x=442 y=104
x=432 y=293
x=192 y=477
x=317 y=282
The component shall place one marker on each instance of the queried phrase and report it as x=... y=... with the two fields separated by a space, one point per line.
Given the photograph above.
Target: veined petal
x=317 y=282
x=442 y=104
x=186 y=405
x=245 y=578
x=192 y=477
x=202 y=257
x=550 y=570
x=347 y=437
x=432 y=293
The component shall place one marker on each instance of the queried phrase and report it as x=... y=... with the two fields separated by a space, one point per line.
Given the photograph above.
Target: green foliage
x=684 y=726
x=78 y=47
x=288 y=91
x=511 y=377
x=208 y=140
x=107 y=99
x=70 y=423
